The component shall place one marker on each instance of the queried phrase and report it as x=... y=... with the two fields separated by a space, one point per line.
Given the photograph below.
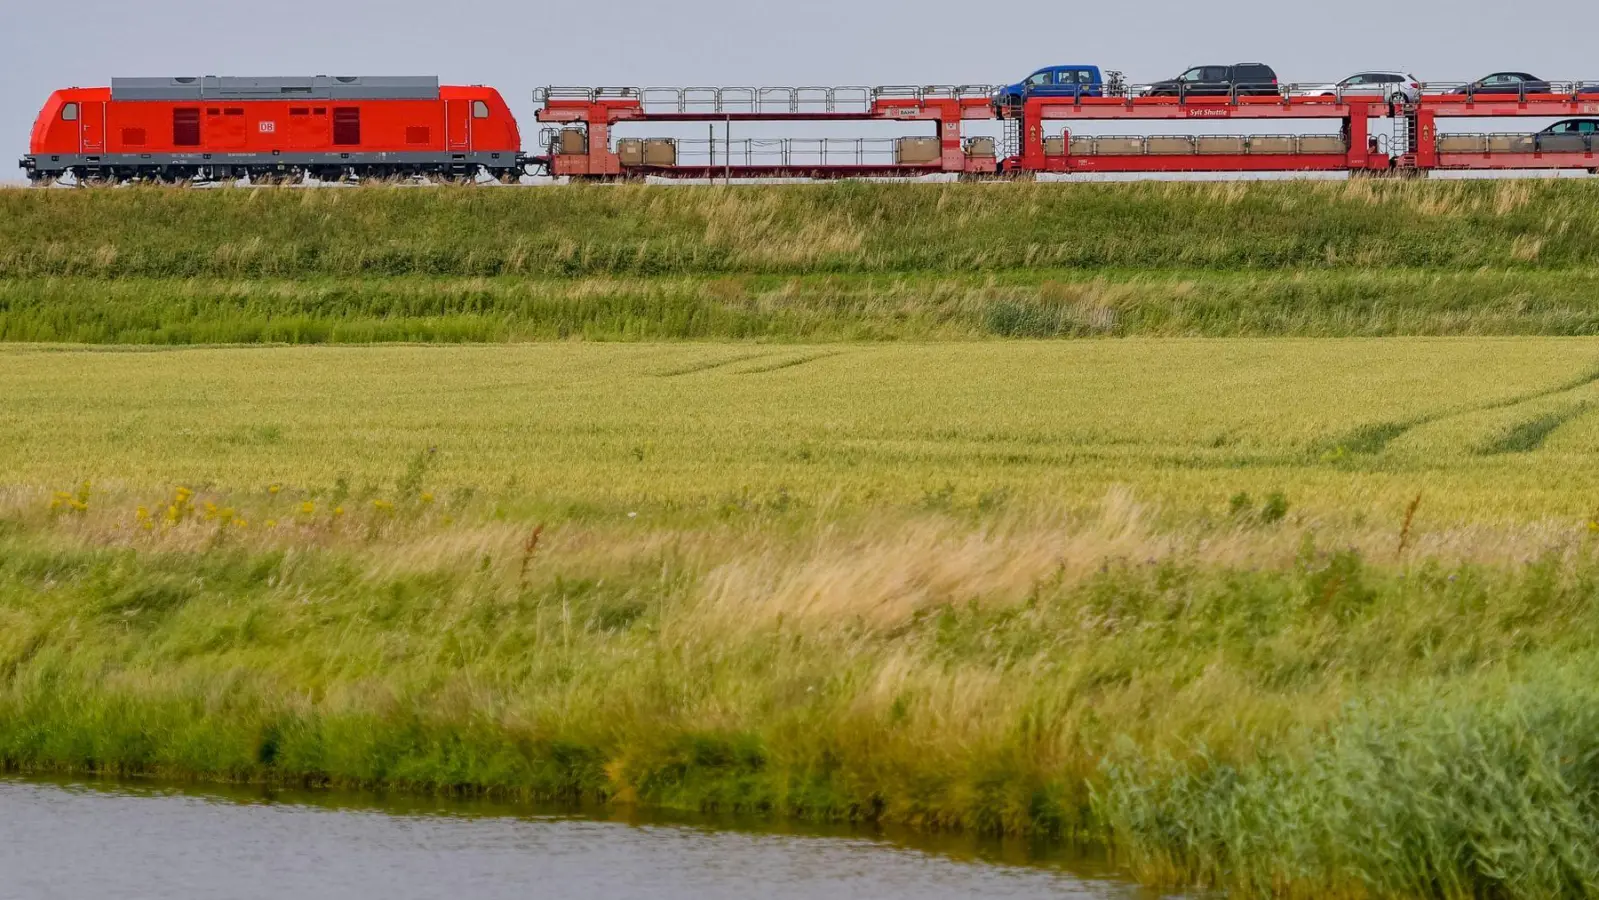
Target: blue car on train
x=1053 y=81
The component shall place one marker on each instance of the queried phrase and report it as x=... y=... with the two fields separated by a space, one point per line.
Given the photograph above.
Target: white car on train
x=1392 y=84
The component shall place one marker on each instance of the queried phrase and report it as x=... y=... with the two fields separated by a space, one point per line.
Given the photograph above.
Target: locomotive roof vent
x=317 y=87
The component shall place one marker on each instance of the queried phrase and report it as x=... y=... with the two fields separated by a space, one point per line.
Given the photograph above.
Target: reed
x=1249 y=705
x=797 y=229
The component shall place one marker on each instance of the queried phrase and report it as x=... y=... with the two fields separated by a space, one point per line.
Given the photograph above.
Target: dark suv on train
x=1240 y=79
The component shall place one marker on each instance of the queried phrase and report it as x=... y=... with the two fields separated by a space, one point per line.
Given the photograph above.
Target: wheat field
x=1487 y=430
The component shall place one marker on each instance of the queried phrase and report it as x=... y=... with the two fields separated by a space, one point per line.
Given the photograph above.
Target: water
x=122 y=841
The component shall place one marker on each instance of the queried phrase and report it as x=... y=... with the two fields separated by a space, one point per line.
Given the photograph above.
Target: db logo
x=269 y=127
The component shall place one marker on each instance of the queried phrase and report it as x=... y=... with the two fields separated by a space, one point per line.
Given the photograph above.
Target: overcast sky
x=516 y=46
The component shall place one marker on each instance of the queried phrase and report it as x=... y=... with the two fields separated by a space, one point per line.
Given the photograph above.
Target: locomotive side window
x=480 y=110
x=69 y=113
x=186 y=127
x=347 y=125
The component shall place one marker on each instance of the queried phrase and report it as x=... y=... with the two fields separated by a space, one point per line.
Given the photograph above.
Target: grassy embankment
x=1014 y=587
x=799 y=263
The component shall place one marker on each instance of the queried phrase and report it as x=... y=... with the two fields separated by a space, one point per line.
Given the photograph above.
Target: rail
x=859 y=98
x=786 y=152
x=1315 y=92
x=1516 y=142
x=770 y=100
x=1194 y=144
x=1588 y=89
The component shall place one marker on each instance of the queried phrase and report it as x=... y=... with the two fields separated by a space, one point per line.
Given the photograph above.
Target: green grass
x=848 y=227
x=1310 y=725
x=1294 y=617
x=798 y=263
x=1171 y=597
x=775 y=309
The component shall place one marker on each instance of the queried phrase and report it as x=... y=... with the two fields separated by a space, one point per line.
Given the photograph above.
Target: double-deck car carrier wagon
x=1348 y=139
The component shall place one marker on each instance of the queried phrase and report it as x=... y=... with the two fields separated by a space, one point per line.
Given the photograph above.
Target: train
x=332 y=128
x=344 y=128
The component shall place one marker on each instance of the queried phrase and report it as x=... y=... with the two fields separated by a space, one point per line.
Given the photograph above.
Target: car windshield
x=1039 y=78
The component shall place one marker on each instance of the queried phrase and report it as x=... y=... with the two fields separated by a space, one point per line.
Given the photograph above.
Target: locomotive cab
x=70 y=126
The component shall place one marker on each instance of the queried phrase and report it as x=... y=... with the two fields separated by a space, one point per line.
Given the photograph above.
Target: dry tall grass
x=1100 y=676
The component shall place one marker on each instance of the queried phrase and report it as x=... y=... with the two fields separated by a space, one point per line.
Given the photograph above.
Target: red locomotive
x=274 y=129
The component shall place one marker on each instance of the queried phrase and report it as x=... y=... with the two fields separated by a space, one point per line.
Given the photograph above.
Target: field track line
x=712 y=364
x=1530 y=434
x=789 y=363
x=1375 y=437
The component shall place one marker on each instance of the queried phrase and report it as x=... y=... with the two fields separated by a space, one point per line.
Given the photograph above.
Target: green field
x=1345 y=427
x=803 y=263
x=1250 y=531
x=1178 y=597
